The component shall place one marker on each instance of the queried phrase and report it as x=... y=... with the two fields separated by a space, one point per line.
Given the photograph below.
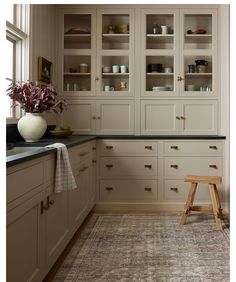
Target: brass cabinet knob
x=94 y=148
x=175 y=189
x=94 y=161
x=174 y=147
x=96 y=78
x=93 y=117
x=177 y=117
x=213 y=166
x=109 y=147
x=98 y=117
x=180 y=78
x=109 y=188
x=213 y=147
x=174 y=166
x=148 y=147
x=109 y=165
x=148 y=166
x=51 y=202
x=148 y=189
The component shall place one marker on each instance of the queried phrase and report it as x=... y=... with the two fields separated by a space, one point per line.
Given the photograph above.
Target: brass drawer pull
x=94 y=148
x=94 y=161
x=50 y=202
x=109 y=165
x=81 y=170
x=213 y=147
x=148 y=189
x=177 y=117
x=93 y=117
x=109 y=188
x=175 y=189
x=174 y=166
x=148 y=166
x=174 y=147
x=86 y=167
x=213 y=166
x=43 y=208
x=83 y=154
x=183 y=117
x=148 y=147
x=109 y=147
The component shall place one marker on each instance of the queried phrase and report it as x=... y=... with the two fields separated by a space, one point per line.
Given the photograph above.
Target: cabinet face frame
x=76 y=52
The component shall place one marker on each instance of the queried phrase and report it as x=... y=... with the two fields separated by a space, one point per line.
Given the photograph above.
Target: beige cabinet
x=100 y=117
x=185 y=117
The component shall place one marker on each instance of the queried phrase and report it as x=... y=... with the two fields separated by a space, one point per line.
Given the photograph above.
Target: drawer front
x=181 y=166
x=128 y=166
x=177 y=191
x=79 y=153
x=22 y=181
x=117 y=190
x=178 y=148
x=128 y=148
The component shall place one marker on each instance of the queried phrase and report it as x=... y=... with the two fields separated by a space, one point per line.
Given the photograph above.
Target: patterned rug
x=148 y=247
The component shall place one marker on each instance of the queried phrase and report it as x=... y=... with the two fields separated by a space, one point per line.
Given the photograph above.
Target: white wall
x=43 y=43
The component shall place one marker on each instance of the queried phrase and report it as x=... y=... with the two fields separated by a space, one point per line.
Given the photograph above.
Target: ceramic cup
x=108 y=88
x=164 y=29
x=190 y=87
x=168 y=70
x=123 y=69
x=115 y=68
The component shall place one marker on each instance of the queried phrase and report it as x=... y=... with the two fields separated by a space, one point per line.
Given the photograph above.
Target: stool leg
x=189 y=203
x=218 y=201
x=216 y=207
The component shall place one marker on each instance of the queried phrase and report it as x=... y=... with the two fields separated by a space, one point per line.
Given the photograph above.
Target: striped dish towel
x=64 y=178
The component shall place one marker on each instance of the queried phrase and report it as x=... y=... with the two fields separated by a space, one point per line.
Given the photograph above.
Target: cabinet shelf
x=77 y=74
x=198 y=35
x=116 y=38
x=199 y=74
x=159 y=35
x=114 y=74
x=159 y=74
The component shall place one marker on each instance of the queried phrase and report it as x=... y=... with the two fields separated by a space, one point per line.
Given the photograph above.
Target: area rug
x=148 y=247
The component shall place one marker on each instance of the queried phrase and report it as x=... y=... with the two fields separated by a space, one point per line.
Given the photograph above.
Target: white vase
x=32 y=127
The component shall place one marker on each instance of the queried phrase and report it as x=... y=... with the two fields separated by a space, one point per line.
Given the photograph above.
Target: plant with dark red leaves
x=34 y=98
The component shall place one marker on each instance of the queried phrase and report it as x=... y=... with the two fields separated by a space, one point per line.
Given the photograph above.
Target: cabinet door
x=80 y=115
x=77 y=44
x=25 y=245
x=115 y=117
x=57 y=227
x=115 y=52
x=198 y=55
x=159 y=52
x=78 y=198
x=159 y=117
x=199 y=117
x=93 y=181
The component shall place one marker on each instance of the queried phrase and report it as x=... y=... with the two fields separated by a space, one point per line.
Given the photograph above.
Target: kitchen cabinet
x=100 y=117
x=179 y=117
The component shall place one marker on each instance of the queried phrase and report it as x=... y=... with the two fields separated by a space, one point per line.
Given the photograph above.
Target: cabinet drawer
x=79 y=153
x=24 y=180
x=128 y=148
x=128 y=166
x=178 y=148
x=177 y=191
x=180 y=166
x=117 y=190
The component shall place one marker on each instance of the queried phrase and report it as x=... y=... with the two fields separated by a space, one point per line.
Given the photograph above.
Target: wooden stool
x=215 y=208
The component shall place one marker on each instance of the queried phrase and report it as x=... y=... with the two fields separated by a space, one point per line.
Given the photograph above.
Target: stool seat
x=215 y=208
x=203 y=179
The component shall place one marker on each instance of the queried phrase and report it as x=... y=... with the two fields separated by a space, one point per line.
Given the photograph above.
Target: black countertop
x=74 y=140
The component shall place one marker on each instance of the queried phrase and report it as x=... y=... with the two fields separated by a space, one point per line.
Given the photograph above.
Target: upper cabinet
x=179 y=52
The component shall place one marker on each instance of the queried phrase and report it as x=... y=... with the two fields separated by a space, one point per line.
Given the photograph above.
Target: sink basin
x=20 y=150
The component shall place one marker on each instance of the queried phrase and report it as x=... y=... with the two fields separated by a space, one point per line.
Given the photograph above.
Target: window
x=17 y=42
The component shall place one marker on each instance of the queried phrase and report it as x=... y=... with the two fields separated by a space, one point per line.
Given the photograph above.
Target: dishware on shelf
x=154 y=67
x=190 y=87
x=160 y=88
x=106 y=69
x=67 y=86
x=123 y=85
x=201 y=66
x=122 y=28
x=156 y=29
x=108 y=88
x=72 y=70
x=205 y=88
x=83 y=68
x=110 y=29
x=168 y=70
x=115 y=69
x=123 y=69
x=83 y=88
x=164 y=29
x=191 y=68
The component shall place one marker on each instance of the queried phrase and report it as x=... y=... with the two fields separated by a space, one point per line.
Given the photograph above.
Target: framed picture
x=44 y=70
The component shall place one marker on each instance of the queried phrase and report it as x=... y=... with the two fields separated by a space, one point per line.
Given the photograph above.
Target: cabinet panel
x=128 y=190
x=126 y=166
x=115 y=117
x=181 y=166
x=159 y=117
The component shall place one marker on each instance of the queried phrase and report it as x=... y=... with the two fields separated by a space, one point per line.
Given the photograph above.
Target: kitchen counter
x=73 y=140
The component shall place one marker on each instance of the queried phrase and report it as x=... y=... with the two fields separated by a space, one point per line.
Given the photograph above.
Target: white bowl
x=160 y=88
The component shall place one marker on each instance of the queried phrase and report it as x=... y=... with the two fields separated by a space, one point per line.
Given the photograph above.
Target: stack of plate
x=161 y=88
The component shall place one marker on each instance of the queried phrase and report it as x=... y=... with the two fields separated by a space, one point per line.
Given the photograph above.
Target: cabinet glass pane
x=159 y=73
x=77 y=73
x=159 y=32
x=198 y=73
x=77 y=31
x=198 y=31
x=115 y=31
x=115 y=73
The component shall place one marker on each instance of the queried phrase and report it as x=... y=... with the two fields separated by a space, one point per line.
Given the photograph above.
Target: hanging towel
x=64 y=178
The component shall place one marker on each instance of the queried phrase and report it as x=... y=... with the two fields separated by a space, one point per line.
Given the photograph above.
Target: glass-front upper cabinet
x=198 y=52
x=78 y=45
x=115 y=52
x=159 y=52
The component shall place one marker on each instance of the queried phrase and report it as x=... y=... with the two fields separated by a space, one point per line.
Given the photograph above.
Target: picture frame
x=44 y=70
